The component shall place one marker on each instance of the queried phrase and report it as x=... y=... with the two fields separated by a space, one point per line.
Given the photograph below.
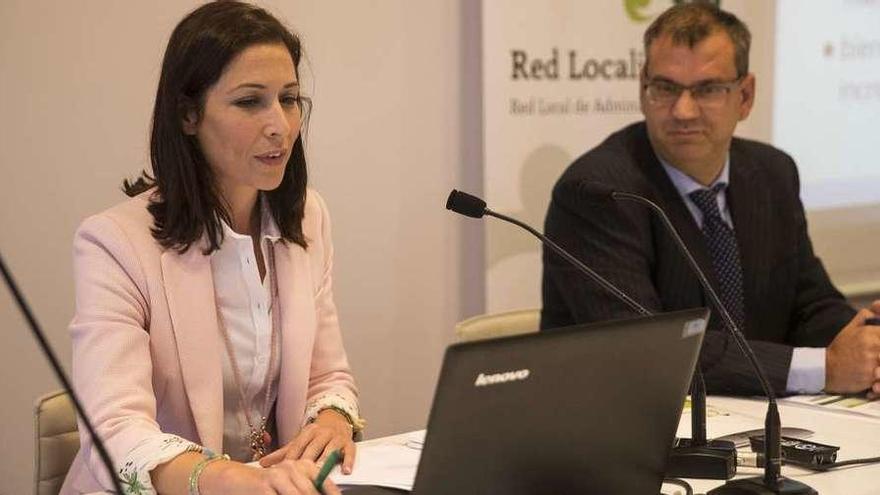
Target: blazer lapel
x=296 y=301
x=189 y=290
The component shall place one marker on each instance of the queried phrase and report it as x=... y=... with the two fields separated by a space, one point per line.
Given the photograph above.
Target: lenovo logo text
x=496 y=378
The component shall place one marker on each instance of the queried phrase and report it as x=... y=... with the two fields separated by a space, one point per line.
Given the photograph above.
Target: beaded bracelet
x=356 y=425
x=200 y=466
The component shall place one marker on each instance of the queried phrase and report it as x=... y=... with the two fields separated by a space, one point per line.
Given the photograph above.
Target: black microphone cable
x=688 y=489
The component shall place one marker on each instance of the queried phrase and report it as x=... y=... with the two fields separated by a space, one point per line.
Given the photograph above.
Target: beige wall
x=77 y=81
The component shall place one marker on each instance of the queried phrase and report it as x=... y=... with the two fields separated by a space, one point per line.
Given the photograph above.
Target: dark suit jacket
x=789 y=300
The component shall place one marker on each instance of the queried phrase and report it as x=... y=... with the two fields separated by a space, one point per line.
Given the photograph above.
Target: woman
x=205 y=319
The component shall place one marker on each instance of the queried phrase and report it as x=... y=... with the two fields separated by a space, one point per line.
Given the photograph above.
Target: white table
x=857 y=436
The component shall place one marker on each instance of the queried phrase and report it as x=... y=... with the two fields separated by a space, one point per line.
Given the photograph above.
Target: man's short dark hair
x=691 y=23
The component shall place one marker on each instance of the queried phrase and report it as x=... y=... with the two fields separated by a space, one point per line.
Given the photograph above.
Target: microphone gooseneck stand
x=638 y=308
x=59 y=373
x=772 y=482
x=474 y=207
x=692 y=458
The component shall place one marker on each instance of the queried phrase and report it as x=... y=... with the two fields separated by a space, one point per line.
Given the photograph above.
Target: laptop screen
x=584 y=409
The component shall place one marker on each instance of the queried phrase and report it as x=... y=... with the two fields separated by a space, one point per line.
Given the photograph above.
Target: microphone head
x=465 y=204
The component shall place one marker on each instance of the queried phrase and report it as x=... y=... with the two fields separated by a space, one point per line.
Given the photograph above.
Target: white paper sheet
x=855 y=404
x=389 y=462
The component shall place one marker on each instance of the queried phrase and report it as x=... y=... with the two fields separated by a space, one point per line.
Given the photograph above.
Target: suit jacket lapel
x=745 y=202
x=189 y=290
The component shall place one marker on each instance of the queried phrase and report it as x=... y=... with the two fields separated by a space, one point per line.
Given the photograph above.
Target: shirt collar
x=268 y=228
x=685 y=184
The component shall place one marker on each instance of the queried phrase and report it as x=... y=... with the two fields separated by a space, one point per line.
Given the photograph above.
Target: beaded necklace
x=259 y=437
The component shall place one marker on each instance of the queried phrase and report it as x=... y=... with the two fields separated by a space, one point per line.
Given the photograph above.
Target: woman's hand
x=287 y=477
x=329 y=432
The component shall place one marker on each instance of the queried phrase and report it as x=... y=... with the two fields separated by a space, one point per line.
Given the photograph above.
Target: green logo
x=633 y=9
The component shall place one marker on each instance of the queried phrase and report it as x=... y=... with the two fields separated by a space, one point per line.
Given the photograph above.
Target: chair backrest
x=57 y=441
x=498 y=325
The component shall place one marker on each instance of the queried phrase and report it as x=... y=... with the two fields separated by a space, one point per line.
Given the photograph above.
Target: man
x=735 y=203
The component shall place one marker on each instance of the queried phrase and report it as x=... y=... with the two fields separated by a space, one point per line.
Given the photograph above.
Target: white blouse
x=243 y=305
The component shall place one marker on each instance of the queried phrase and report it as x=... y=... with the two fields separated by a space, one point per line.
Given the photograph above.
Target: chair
x=57 y=441
x=490 y=326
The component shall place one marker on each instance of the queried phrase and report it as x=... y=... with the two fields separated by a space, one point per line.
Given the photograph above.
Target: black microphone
x=772 y=481
x=466 y=204
x=59 y=372
x=472 y=206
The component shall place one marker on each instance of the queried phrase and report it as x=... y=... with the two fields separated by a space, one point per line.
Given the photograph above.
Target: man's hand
x=852 y=361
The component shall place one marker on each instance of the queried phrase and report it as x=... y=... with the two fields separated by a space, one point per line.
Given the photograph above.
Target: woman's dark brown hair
x=186 y=202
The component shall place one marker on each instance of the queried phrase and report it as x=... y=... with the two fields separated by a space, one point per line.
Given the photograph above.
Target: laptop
x=583 y=409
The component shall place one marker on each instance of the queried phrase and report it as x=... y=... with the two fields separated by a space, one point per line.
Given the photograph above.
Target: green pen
x=332 y=460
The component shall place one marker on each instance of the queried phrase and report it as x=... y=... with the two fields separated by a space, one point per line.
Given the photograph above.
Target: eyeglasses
x=708 y=94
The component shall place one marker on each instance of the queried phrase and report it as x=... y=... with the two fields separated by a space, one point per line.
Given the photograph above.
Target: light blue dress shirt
x=806 y=374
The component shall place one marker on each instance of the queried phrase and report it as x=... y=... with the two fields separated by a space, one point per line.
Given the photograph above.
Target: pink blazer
x=147 y=350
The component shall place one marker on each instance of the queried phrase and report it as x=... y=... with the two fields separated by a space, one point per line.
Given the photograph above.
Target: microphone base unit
x=714 y=460
x=756 y=486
